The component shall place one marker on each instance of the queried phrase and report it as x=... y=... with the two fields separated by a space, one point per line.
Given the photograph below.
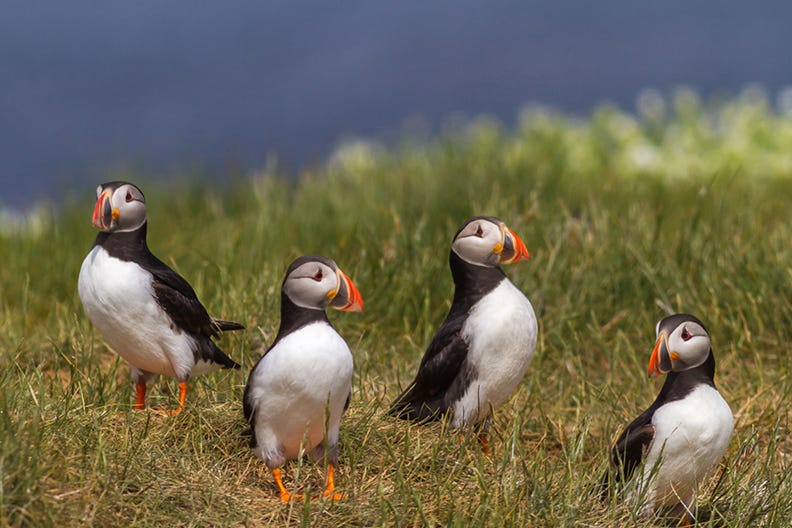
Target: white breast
x=501 y=335
x=119 y=300
x=298 y=386
x=691 y=437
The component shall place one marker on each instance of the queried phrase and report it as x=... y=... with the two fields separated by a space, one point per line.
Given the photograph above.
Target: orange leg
x=483 y=440
x=329 y=492
x=182 y=398
x=140 y=402
x=284 y=493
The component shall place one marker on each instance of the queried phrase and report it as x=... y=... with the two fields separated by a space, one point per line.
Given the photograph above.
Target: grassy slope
x=625 y=220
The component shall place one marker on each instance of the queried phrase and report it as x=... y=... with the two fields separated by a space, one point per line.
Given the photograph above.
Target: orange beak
x=514 y=249
x=97 y=218
x=659 y=362
x=104 y=214
x=348 y=297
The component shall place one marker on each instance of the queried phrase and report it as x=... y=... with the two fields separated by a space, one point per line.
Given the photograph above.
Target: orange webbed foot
x=166 y=412
x=285 y=496
x=333 y=496
x=182 y=399
x=288 y=497
x=329 y=492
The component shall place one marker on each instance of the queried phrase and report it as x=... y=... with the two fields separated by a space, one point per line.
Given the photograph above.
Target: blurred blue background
x=164 y=86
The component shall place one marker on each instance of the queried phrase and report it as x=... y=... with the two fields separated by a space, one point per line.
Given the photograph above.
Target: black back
x=173 y=294
x=444 y=374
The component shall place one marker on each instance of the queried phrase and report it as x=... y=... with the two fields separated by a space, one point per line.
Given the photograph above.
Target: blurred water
x=87 y=86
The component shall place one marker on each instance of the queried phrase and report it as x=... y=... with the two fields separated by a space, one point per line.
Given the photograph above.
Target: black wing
x=247 y=411
x=440 y=377
x=628 y=451
x=178 y=299
x=248 y=407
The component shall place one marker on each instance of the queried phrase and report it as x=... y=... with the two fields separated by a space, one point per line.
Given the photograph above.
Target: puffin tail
x=218 y=356
x=407 y=407
x=227 y=326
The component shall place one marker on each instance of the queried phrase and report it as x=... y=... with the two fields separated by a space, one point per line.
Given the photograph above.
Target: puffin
x=481 y=351
x=146 y=312
x=298 y=390
x=675 y=444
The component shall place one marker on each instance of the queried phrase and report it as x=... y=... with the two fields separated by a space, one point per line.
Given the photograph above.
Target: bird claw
x=288 y=497
x=166 y=412
x=333 y=496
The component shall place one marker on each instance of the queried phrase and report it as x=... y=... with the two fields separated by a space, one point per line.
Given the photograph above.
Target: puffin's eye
x=128 y=197
x=317 y=276
x=686 y=335
x=479 y=232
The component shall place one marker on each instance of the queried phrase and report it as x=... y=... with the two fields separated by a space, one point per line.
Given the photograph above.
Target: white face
x=312 y=285
x=688 y=346
x=119 y=209
x=480 y=242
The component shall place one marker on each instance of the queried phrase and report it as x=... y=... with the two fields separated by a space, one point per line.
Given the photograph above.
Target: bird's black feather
x=427 y=397
x=226 y=326
x=631 y=446
x=444 y=373
x=293 y=317
x=249 y=411
x=172 y=292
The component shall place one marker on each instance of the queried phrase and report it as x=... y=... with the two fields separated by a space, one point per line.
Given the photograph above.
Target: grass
x=685 y=208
